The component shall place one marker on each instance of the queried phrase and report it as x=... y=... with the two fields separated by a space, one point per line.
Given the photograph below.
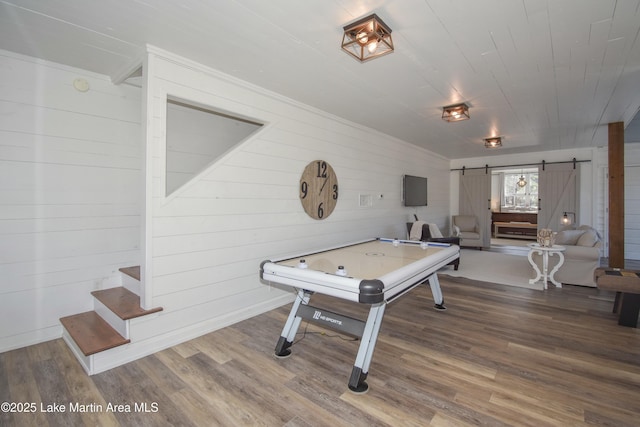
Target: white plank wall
x=69 y=193
x=72 y=199
x=631 y=195
x=632 y=201
x=632 y=212
x=210 y=236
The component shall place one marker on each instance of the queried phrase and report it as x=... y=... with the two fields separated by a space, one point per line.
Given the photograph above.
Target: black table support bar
x=332 y=320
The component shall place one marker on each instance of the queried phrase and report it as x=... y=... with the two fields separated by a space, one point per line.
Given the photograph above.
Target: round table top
x=554 y=248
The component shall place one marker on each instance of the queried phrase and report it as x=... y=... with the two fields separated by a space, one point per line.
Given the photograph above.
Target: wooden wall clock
x=318 y=189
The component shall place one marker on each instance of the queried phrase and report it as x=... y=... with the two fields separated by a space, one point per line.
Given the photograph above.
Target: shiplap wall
x=209 y=237
x=631 y=195
x=73 y=198
x=69 y=193
x=632 y=212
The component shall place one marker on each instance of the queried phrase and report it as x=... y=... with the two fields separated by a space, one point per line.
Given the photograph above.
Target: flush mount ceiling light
x=455 y=113
x=493 y=142
x=367 y=38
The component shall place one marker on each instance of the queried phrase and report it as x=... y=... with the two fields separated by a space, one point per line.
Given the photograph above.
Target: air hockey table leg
x=357 y=383
x=291 y=326
x=434 y=284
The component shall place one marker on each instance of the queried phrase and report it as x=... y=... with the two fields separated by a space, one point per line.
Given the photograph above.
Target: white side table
x=545 y=252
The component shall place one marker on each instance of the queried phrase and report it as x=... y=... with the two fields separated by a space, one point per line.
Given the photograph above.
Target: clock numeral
x=304 y=188
x=320 y=210
x=335 y=191
x=322 y=169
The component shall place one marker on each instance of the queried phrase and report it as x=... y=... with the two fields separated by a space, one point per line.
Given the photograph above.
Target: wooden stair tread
x=92 y=333
x=131 y=271
x=124 y=303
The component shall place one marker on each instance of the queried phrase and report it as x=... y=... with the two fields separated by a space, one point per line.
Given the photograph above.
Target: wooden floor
x=499 y=356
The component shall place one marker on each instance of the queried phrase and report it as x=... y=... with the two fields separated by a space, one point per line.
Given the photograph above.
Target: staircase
x=94 y=334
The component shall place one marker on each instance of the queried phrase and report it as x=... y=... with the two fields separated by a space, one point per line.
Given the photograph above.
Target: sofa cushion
x=569 y=237
x=589 y=238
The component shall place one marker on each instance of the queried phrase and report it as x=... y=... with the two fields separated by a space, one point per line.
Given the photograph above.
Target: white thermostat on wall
x=366 y=201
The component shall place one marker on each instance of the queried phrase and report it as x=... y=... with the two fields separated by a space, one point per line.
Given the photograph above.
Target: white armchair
x=467 y=229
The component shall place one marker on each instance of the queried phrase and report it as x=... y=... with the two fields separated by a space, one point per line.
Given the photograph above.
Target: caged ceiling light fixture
x=455 y=113
x=367 y=38
x=493 y=142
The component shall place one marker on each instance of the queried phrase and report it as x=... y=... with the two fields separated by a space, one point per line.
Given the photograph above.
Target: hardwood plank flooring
x=499 y=356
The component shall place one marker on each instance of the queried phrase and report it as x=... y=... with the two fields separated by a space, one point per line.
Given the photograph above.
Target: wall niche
x=196 y=137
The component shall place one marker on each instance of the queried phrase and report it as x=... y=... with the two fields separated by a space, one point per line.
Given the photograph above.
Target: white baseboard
x=26 y=339
x=135 y=350
x=118 y=356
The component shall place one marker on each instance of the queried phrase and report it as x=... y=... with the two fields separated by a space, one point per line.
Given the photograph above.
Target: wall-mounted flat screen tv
x=414 y=190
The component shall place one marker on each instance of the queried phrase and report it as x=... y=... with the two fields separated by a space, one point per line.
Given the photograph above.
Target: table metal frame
x=367 y=330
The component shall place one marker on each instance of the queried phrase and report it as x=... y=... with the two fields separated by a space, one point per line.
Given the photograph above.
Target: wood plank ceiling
x=545 y=75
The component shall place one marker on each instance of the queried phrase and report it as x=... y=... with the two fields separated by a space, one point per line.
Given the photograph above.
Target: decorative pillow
x=589 y=238
x=568 y=237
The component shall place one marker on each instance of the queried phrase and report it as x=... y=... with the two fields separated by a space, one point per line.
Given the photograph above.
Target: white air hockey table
x=372 y=272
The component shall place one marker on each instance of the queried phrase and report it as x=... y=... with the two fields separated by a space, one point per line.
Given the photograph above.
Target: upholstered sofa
x=581 y=257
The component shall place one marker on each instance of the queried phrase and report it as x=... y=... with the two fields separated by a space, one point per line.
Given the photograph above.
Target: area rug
x=494 y=267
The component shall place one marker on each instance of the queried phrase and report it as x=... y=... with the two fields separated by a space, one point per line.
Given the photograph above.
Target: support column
x=616 y=195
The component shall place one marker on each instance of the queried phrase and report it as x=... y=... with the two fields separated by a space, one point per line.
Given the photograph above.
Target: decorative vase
x=546 y=238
